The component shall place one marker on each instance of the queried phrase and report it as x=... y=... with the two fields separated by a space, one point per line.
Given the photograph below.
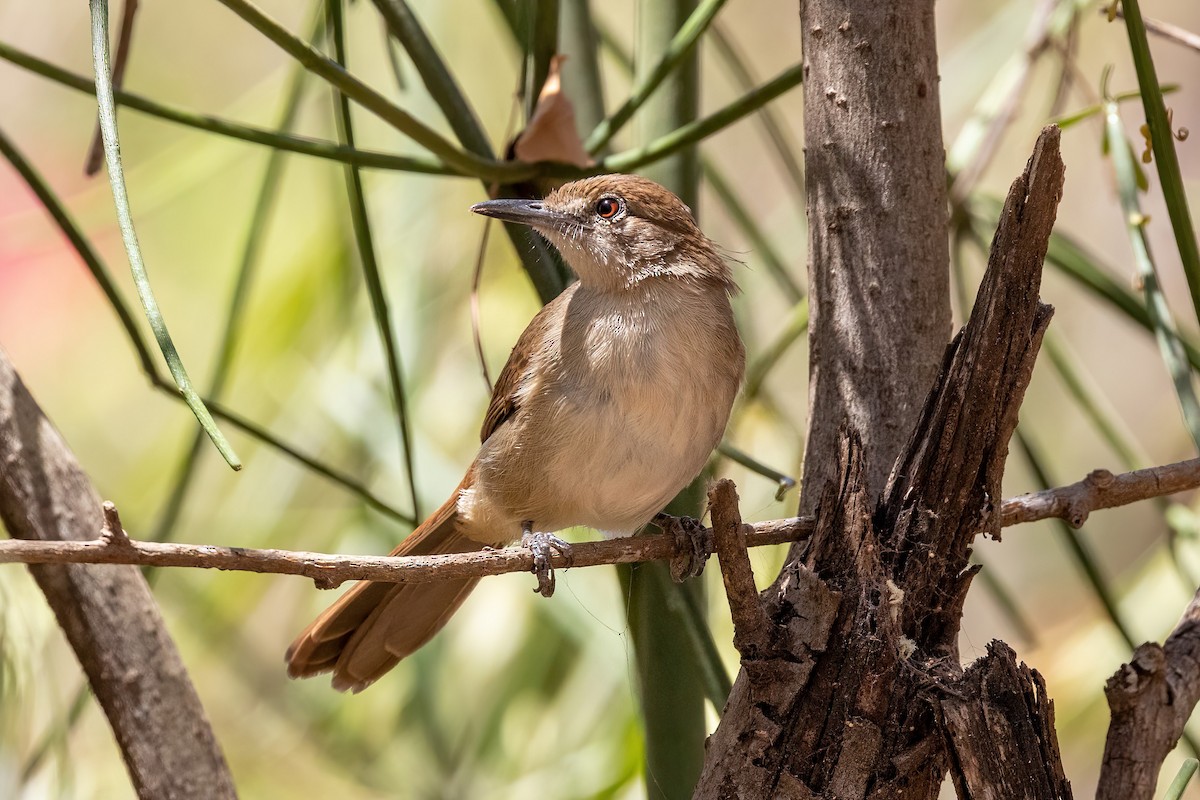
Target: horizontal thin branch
x=1100 y=489
x=328 y=570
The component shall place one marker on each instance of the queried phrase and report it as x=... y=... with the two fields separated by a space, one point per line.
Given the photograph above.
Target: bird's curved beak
x=525 y=212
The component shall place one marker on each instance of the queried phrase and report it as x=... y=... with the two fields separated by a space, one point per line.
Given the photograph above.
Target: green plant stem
x=116 y=179
x=771 y=120
x=670 y=668
x=543 y=46
x=678 y=49
x=541 y=263
x=795 y=325
x=247 y=266
x=1182 y=778
x=1096 y=109
x=442 y=87
x=361 y=221
x=689 y=134
x=101 y=275
x=1075 y=544
x=373 y=101
x=1067 y=256
x=717 y=683
x=582 y=78
x=753 y=232
x=71 y=231
x=1163 y=144
x=1169 y=345
x=332 y=474
x=223 y=127
x=784 y=483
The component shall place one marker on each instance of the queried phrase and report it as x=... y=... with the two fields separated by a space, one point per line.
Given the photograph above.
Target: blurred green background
x=520 y=696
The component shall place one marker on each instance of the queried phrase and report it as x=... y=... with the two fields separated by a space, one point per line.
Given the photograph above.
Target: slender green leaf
x=332 y=474
x=337 y=77
x=1092 y=404
x=1097 y=109
x=541 y=263
x=582 y=79
x=543 y=46
x=676 y=51
x=1156 y=304
x=1182 y=778
x=1073 y=260
x=223 y=127
x=83 y=247
x=689 y=134
x=753 y=232
x=442 y=87
x=101 y=275
x=1163 y=142
x=795 y=325
x=784 y=483
x=116 y=178
x=361 y=221
x=771 y=120
x=247 y=267
x=1079 y=549
x=717 y=683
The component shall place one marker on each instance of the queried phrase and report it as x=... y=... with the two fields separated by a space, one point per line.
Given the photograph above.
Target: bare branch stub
x=898 y=565
x=1150 y=698
x=751 y=627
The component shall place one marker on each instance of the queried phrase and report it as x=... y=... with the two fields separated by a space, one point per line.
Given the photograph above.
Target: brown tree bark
x=1151 y=699
x=106 y=612
x=878 y=254
x=852 y=696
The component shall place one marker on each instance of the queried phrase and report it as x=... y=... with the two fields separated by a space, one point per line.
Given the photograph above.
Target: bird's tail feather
x=374 y=625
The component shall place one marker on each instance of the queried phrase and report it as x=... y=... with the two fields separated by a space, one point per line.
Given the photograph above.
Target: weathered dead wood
x=1151 y=699
x=853 y=712
x=999 y=730
x=107 y=613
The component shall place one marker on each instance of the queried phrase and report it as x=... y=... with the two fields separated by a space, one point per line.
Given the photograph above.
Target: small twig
x=751 y=626
x=1167 y=31
x=113 y=535
x=1100 y=489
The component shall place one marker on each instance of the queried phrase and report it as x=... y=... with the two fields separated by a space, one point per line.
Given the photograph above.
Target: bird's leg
x=692 y=541
x=541 y=544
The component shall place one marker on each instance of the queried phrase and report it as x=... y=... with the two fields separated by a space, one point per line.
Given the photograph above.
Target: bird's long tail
x=374 y=625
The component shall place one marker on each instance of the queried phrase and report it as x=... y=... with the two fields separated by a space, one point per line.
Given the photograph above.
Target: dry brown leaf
x=550 y=134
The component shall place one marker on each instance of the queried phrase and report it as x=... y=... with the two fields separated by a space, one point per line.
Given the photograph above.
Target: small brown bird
x=610 y=403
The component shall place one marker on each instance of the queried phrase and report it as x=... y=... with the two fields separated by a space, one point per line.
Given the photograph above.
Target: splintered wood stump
x=859 y=692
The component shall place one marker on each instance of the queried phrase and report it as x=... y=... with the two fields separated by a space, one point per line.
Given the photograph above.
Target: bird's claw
x=541 y=545
x=693 y=545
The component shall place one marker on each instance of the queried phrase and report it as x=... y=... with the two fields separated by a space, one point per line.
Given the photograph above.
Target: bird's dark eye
x=608 y=207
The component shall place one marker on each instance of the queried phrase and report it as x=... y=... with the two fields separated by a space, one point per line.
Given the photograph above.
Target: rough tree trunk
x=859 y=692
